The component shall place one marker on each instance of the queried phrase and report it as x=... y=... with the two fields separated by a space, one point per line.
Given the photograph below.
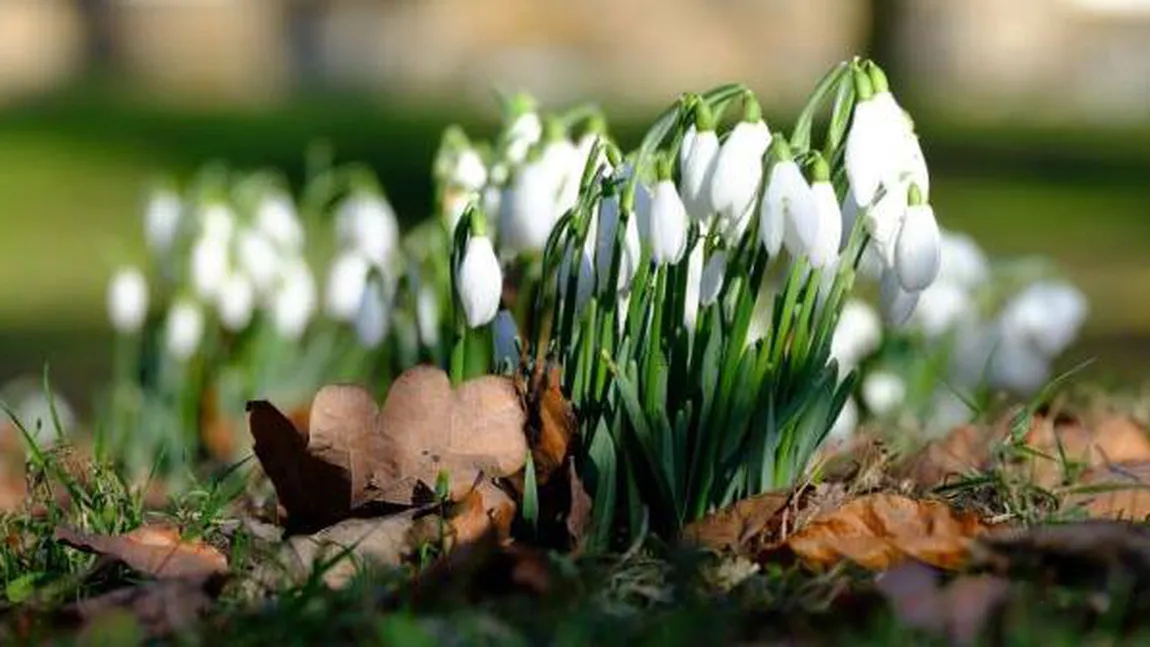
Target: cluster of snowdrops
x=719 y=300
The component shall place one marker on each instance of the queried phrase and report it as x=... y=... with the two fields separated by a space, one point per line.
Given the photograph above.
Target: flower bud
x=469 y=172
x=786 y=213
x=427 y=316
x=162 y=221
x=127 y=300
x=697 y=170
x=527 y=209
x=857 y=334
x=184 y=329
x=480 y=281
x=828 y=230
x=235 y=302
x=897 y=303
x=365 y=221
x=668 y=224
x=883 y=392
x=917 y=252
x=738 y=170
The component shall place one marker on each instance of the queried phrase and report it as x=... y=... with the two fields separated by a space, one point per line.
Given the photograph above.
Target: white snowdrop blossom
x=427 y=316
x=883 y=392
x=561 y=159
x=857 y=335
x=695 y=262
x=786 y=214
x=1046 y=316
x=295 y=300
x=897 y=303
x=918 y=248
x=455 y=203
x=480 y=281
x=527 y=209
x=828 y=228
x=738 y=170
x=365 y=221
x=525 y=130
x=846 y=423
x=209 y=266
x=259 y=258
x=346 y=282
x=881 y=147
x=1017 y=366
x=941 y=307
x=696 y=175
x=372 y=316
x=235 y=302
x=963 y=261
x=217 y=222
x=585 y=280
x=183 y=329
x=505 y=339
x=469 y=172
x=276 y=217
x=162 y=221
x=883 y=221
x=667 y=224
x=714 y=273
x=127 y=300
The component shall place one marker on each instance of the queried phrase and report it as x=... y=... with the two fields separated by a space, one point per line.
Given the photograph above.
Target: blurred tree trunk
x=99 y=35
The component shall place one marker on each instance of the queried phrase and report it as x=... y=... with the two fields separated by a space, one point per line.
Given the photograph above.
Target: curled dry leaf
x=161 y=608
x=153 y=550
x=878 y=530
x=348 y=545
x=1110 y=440
x=964 y=450
x=1115 y=491
x=551 y=423
x=355 y=453
x=737 y=526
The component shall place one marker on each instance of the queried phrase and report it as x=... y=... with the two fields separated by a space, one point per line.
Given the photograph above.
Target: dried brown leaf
x=154 y=550
x=1115 y=491
x=878 y=530
x=384 y=541
x=551 y=424
x=1111 y=440
x=964 y=450
x=735 y=527
x=579 y=511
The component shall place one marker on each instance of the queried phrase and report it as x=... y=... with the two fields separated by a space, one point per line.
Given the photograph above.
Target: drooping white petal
x=714 y=273
x=828 y=234
x=917 y=252
x=162 y=221
x=884 y=221
x=883 y=392
x=897 y=303
x=209 y=266
x=738 y=170
x=217 y=222
x=367 y=222
x=259 y=258
x=235 y=302
x=1017 y=366
x=184 y=329
x=427 y=316
x=801 y=221
x=857 y=335
x=127 y=300
x=785 y=214
x=668 y=224
x=867 y=151
x=480 y=282
x=276 y=217
x=694 y=286
x=345 y=285
x=522 y=134
x=372 y=318
x=469 y=172
x=1046 y=316
x=849 y=210
x=963 y=261
x=295 y=300
x=696 y=175
x=527 y=209
x=941 y=307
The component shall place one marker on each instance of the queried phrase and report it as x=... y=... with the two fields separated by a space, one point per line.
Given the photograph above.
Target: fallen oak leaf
x=878 y=530
x=157 y=551
x=736 y=526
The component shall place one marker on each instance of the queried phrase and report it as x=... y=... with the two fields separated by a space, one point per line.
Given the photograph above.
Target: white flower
x=714 y=273
x=849 y=210
x=276 y=217
x=694 y=286
x=527 y=209
x=469 y=172
x=828 y=228
x=1046 y=316
x=454 y=204
x=295 y=300
x=505 y=338
x=560 y=157
x=696 y=175
x=868 y=155
x=897 y=303
x=668 y=224
x=127 y=300
x=480 y=281
x=427 y=316
x=345 y=286
x=366 y=222
x=738 y=170
x=883 y=392
x=941 y=307
x=235 y=302
x=884 y=220
x=259 y=258
x=162 y=221
x=209 y=266
x=217 y=222
x=371 y=318
x=630 y=252
x=184 y=329
x=846 y=423
x=522 y=134
x=1017 y=366
x=963 y=262
x=917 y=251
x=857 y=335
x=786 y=213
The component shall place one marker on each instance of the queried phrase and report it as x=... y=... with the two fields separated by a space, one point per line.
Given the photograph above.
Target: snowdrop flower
x=527 y=209
x=561 y=159
x=209 y=266
x=881 y=148
x=698 y=167
x=455 y=203
x=857 y=335
x=427 y=316
x=883 y=392
x=276 y=217
x=469 y=172
x=883 y=221
x=235 y=302
x=963 y=262
x=846 y=423
x=941 y=307
x=295 y=300
x=825 y=213
x=217 y=222
x=524 y=131
x=694 y=286
x=631 y=250
x=162 y=221
x=667 y=220
x=947 y=411
x=1046 y=316
x=127 y=300
x=365 y=221
x=184 y=329
x=371 y=318
x=714 y=273
x=786 y=214
x=346 y=282
x=505 y=337
x=259 y=259
x=478 y=278
x=897 y=304
x=918 y=247
x=738 y=166
x=1017 y=366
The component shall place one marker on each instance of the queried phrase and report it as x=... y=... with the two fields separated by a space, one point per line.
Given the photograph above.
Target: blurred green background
x=1025 y=164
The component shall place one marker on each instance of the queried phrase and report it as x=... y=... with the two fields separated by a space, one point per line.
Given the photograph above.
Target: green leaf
x=602 y=473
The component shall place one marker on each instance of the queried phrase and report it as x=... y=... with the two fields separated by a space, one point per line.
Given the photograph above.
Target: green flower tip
x=752 y=111
x=877 y=77
x=704 y=118
x=521 y=103
x=614 y=155
x=914 y=196
x=553 y=129
x=817 y=169
x=477 y=219
x=596 y=125
x=663 y=167
x=864 y=89
x=780 y=150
